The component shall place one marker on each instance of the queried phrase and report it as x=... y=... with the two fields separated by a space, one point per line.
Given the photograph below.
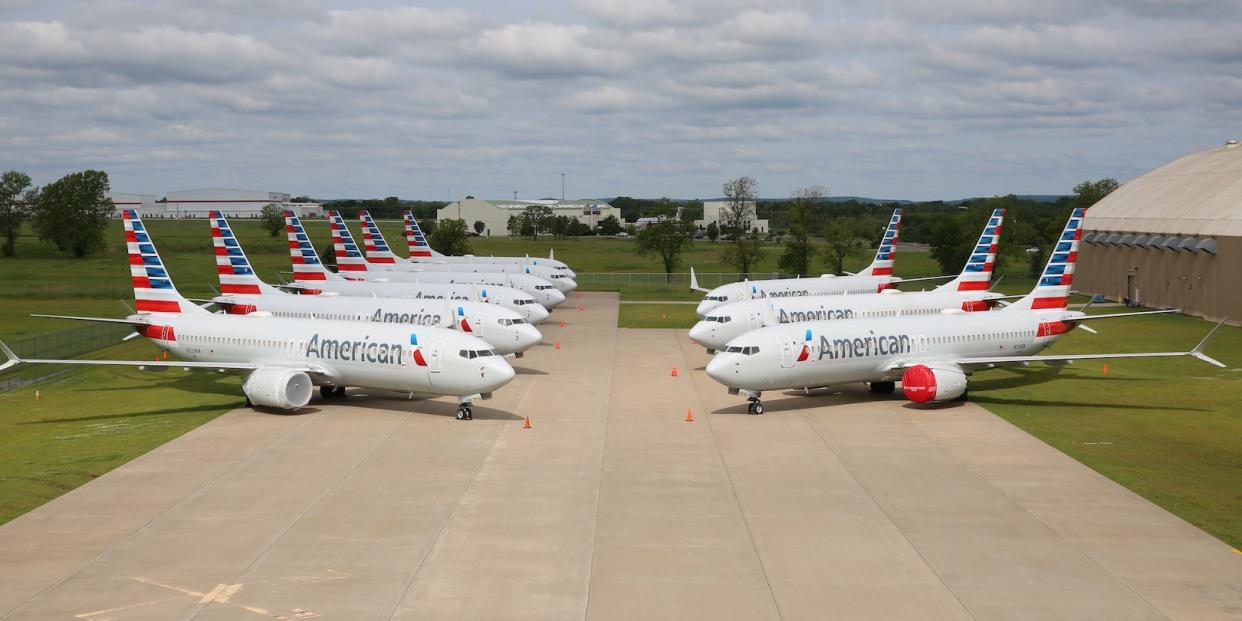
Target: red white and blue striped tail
x=236 y=275
x=419 y=248
x=349 y=257
x=153 y=288
x=373 y=241
x=1051 y=293
x=306 y=264
x=883 y=263
x=977 y=274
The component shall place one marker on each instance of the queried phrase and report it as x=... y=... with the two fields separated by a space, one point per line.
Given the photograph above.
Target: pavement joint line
x=194 y=494
x=728 y=472
x=802 y=416
x=236 y=580
x=915 y=423
x=448 y=518
x=599 y=484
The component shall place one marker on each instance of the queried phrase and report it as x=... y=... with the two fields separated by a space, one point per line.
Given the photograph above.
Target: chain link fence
x=64 y=344
x=678 y=280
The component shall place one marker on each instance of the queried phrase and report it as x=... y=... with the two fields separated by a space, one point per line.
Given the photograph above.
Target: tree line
x=70 y=213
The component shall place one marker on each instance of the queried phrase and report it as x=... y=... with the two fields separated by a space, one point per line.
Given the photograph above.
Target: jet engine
x=286 y=389
x=922 y=383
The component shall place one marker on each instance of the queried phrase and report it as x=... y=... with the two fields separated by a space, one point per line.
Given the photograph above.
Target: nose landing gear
x=755 y=406
x=464 y=412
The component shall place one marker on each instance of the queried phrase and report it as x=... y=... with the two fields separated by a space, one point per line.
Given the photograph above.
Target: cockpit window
x=719 y=319
x=718 y=298
x=475 y=353
x=745 y=351
x=543 y=287
x=523 y=302
x=510 y=322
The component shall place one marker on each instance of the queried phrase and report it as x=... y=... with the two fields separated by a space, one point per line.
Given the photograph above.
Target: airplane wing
x=985 y=362
x=132 y=322
x=14 y=360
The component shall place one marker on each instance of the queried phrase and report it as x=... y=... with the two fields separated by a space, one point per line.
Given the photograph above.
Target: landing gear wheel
x=461 y=413
x=326 y=392
x=464 y=412
x=339 y=393
x=469 y=413
x=757 y=409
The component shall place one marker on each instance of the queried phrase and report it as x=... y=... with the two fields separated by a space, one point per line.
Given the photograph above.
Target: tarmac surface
x=613 y=506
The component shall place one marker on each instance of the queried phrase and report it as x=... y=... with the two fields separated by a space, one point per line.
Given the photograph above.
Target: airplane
x=282 y=359
x=372 y=238
x=875 y=277
x=242 y=293
x=931 y=355
x=351 y=264
x=968 y=292
x=420 y=251
x=310 y=277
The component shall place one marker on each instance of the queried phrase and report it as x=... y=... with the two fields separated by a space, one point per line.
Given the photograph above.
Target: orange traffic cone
x=562 y=323
x=558 y=345
x=580 y=307
x=38 y=395
x=526 y=425
x=1105 y=368
x=165 y=354
x=663 y=317
x=675 y=374
x=689 y=416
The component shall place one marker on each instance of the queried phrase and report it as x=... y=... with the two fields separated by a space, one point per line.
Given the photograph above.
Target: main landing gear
x=464 y=412
x=332 y=392
x=883 y=388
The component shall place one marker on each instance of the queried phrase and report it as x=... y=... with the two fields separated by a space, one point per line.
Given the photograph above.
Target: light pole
x=562 y=187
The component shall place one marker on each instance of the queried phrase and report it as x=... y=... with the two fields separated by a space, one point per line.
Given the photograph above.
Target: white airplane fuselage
x=502 y=328
x=374 y=355
x=544 y=292
x=559 y=266
x=791 y=287
x=729 y=321
x=525 y=305
x=556 y=278
x=862 y=350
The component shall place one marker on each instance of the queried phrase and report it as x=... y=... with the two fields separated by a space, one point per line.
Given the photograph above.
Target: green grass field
x=1166 y=429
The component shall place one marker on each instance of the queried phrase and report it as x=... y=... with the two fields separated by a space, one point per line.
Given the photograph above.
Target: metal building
x=144 y=204
x=233 y=203
x=494 y=214
x=1171 y=237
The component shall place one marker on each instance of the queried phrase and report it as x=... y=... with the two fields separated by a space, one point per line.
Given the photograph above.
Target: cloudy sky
x=918 y=99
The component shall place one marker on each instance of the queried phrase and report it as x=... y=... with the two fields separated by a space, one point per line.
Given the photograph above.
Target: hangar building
x=1171 y=237
x=144 y=204
x=711 y=213
x=233 y=203
x=494 y=214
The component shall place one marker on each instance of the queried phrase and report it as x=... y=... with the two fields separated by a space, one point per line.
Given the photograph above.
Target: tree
x=514 y=226
x=1089 y=193
x=17 y=195
x=735 y=218
x=610 y=226
x=273 y=219
x=950 y=245
x=799 y=220
x=534 y=219
x=713 y=231
x=666 y=240
x=479 y=226
x=451 y=237
x=73 y=212
x=844 y=237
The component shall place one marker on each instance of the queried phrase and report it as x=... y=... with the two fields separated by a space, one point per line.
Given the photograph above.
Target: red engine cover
x=919 y=384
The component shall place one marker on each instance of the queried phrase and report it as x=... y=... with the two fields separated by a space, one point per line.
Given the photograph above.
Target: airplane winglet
x=1197 y=352
x=694 y=283
x=551 y=254
x=12 y=361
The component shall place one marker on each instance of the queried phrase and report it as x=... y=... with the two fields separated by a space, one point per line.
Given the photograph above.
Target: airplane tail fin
x=1052 y=291
x=694 y=282
x=373 y=241
x=882 y=265
x=234 y=269
x=977 y=273
x=153 y=287
x=348 y=256
x=417 y=241
x=306 y=264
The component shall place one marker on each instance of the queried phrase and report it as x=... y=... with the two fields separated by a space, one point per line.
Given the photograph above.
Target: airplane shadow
x=380 y=400
x=528 y=371
x=986 y=400
x=188 y=383
x=1029 y=377
x=797 y=400
x=183 y=410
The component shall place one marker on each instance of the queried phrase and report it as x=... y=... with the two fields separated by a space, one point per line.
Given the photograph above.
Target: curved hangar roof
x=1197 y=194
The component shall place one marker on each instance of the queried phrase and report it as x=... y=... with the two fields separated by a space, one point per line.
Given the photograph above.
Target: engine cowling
x=922 y=383
x=285 y=389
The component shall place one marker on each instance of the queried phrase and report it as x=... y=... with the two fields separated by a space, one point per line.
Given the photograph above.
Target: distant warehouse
x=494 y=214
x=196 y=203
x=1171 y=237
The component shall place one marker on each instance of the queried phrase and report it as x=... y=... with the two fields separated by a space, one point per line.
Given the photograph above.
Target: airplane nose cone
x=572 y=274
x=573 y=284
x=554 y=298
x=716 y=369
x=497 y=373
x=699 y=331
x=527 y=336
x=535 y=313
